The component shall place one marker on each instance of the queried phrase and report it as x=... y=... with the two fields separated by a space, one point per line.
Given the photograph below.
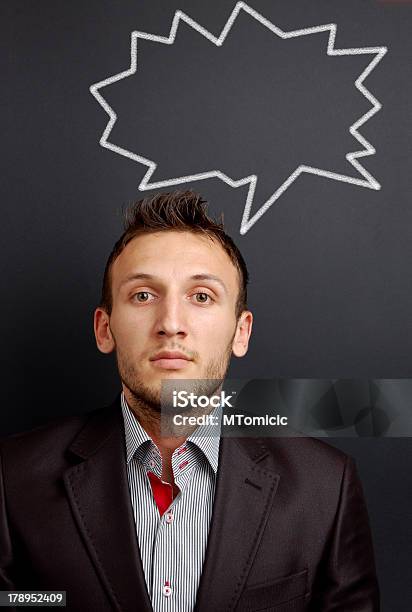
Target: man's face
x=165 y=299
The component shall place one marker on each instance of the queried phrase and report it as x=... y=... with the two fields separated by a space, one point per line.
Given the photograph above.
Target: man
x=122 y=517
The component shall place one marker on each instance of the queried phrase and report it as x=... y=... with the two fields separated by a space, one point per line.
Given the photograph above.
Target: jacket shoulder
x=51 y=439
x=308 y=458
x=306 y=447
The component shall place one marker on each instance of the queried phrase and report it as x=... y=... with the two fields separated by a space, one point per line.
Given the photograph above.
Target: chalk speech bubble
x=248 y=221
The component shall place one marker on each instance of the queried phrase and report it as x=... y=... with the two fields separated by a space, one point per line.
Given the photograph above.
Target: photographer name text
x=231 y=420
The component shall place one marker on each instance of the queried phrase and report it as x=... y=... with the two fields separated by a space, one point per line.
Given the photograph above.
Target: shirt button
x=169 y=517
x=167 y=591
x=183 y=464
x=152 y=463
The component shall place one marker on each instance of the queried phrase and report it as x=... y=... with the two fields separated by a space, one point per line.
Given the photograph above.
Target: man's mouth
x=170 y=360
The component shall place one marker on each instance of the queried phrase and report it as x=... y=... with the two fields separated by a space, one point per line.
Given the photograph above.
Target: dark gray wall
x=331 y=287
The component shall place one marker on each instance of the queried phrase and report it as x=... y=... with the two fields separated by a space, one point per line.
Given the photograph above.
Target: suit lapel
x=244 y=495
x=98 y=492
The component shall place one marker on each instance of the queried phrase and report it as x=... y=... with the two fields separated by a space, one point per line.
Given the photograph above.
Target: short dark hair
x=183 y=211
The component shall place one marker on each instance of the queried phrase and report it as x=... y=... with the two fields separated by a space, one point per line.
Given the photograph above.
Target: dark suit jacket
x=289 y=530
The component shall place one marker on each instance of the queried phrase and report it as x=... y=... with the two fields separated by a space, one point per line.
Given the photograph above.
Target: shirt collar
x=205 y=437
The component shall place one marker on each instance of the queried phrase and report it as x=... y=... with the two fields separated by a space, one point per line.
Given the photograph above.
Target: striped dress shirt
x=172 y=547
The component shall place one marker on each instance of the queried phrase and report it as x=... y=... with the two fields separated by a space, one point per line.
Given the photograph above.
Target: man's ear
x=242 y=334
x=104 y=339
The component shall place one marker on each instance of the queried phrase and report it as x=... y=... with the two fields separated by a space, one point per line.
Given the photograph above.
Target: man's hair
x=183 y=211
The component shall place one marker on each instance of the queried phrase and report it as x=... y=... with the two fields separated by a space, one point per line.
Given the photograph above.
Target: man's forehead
x=160 y=250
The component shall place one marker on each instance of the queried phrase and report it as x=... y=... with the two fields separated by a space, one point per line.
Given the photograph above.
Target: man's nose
x=171 y=317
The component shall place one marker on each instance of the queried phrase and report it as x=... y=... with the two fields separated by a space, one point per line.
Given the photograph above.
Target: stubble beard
x=143 y=398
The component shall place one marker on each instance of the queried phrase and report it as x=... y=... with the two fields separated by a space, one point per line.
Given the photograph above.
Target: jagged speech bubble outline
x=248 y=221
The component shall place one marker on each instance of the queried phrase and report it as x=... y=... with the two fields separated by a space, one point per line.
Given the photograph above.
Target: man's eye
x=204 y=297
x=141 y=296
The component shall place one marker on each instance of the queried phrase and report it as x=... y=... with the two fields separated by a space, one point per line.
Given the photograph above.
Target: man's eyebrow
x=210 y=277
x=137 y=276
x=145 y=276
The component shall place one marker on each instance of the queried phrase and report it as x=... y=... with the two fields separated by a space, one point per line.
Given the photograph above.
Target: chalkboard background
x=331 y=282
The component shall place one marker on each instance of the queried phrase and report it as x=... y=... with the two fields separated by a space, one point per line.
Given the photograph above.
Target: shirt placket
x=165 y=594
x=163 y=571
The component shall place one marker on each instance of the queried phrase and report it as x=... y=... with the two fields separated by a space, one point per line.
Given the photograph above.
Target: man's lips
x=170 y=360
x=170 y=355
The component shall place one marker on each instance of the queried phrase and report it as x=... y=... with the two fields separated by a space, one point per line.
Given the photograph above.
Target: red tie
x=162 y=493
